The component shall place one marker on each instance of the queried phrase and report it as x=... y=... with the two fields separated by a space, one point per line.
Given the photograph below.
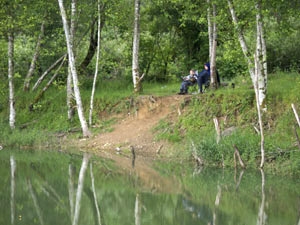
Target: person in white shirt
x=188 y=80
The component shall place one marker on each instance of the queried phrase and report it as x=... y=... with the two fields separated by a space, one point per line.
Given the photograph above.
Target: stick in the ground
x=296 y=114
x=237 y=154
x=218 y=129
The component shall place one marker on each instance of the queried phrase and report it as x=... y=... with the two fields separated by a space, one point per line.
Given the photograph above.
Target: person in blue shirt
x=203 y=77
x=188 y=80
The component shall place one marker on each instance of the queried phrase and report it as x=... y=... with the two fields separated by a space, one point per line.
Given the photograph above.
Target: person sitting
x=203 y=77
x=188 y=80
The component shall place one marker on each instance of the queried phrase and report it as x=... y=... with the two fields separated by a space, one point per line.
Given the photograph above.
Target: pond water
x=55 y=188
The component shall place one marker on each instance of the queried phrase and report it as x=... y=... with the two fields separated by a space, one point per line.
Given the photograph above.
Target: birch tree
x=34 y=59
x=85 y=130
x=12 y=111
x=97 y=64
x=212 y=36
x=137 y=85
x=257 y=64
x=70 y=92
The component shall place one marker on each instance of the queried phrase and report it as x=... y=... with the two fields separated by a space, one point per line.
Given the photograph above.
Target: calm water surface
x=56 y=188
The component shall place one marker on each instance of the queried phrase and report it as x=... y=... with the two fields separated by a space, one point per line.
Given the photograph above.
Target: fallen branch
x=48 y=71
x=237 y=154
x=41 y=94
x=159 y=148
x=297 y=137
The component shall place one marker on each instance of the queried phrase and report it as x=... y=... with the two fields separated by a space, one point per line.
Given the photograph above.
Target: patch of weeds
x=165 y=130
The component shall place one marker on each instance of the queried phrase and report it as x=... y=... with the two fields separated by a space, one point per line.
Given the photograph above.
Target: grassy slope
x=235 y=109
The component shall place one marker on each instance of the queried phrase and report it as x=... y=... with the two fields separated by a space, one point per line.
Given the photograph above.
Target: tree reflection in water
x=45 y=190
x=262 y=217
x=83 y=168
x=12 y=189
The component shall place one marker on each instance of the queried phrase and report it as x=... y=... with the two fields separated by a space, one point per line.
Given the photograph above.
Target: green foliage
x=167 y=131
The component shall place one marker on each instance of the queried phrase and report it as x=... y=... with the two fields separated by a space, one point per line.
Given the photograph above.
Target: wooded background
x=173 y=37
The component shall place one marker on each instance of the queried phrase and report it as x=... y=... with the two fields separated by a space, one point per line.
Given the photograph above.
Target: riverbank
x=161 y=124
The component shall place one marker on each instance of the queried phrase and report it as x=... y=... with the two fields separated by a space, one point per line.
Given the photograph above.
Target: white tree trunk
x=135 y=51
x=70 y=91
x=12 y=189
x=260 y=82
x=97 y=65
x=213 y=53
x=12 y=111
x=85 y=130
x=257 y=69
x=210 y=28
x=34 y=59
x=85 y=162
x=261 y=56
x=242 y=41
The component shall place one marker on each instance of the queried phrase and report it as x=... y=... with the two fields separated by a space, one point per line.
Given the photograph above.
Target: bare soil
x=134 y=129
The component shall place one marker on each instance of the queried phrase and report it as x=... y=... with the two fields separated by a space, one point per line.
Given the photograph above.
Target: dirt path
x=137 y=129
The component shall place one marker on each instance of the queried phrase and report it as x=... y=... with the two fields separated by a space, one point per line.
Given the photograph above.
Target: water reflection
x=95 y=195
x=12 y=190
x=52 y=188
x=83 y=168
x=262 y=217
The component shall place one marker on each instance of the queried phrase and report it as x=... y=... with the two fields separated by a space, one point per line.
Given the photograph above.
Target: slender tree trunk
x=85 y=130
x=34 y=59
x=12 y=111
x=210 y=28
x=97 y=65
x=40 y=95
x=12 y=189
x=84 y=165
x=260 y=82
x=70 y=92
x=92 y=48
x=94 y=194
x=135 y=52
x=42 y=77
x=296 y=114
x=261 y=56
x=258 y=68
x=242 y=41
x=213 y=54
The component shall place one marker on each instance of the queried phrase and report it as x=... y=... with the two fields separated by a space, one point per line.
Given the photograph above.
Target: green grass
x=233 y=107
